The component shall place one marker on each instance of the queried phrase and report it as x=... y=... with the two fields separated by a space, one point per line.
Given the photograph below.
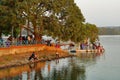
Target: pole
x=12 y=34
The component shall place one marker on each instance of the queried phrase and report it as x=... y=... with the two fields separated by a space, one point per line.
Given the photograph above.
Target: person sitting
x=57 y=55
x=33 y=56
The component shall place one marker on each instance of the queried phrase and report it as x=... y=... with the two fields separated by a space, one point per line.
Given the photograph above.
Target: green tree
x=9 y=18
x=56 y=18
x=91 y=32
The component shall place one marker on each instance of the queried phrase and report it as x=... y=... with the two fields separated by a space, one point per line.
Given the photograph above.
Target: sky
x=100 y=12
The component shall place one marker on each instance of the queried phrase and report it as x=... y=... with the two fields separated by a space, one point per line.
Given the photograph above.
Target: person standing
x=1 y=42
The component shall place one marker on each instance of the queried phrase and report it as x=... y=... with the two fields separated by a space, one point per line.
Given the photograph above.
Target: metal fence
x=7 y=43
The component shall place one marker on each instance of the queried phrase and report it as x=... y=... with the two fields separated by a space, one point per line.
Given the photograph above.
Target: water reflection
x=73 y=68
x=88 y=58
x=24 y=72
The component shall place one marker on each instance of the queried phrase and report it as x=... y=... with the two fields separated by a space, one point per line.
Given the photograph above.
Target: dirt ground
x=20 y=59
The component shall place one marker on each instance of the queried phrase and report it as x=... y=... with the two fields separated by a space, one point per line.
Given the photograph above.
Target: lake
x=87 y=66
x=107 y=67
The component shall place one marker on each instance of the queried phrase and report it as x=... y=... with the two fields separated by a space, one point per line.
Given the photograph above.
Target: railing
x=22 y=42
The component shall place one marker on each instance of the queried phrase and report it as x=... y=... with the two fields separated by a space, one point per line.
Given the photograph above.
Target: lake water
x=87 y=66
x=107 y=67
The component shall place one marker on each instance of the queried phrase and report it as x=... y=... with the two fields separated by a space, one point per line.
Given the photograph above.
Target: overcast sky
x=101 y=12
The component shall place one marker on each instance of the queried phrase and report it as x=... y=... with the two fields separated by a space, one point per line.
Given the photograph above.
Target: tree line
x=60 y=19
x=109 y=30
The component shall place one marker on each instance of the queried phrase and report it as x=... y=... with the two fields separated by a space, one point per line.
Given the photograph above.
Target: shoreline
x=18 y=55
x=31 y=62
x=44 y=53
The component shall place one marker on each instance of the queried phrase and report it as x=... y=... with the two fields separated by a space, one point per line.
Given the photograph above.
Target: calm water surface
x=107 y=67
x=87 y=66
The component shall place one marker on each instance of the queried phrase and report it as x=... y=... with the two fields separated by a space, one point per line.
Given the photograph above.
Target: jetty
x=100 y=50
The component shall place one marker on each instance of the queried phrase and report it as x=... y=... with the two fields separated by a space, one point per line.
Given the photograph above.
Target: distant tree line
x=109 y=30
x=57 y=18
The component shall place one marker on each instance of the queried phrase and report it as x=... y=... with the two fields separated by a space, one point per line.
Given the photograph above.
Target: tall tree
x=56 y=18
x=53 y=17
x=91 y=32
x=67 y=22
x=10 y=18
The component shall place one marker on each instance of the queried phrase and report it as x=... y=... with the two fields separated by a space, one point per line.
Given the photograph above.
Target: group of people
x=17 y=41
x=34 y=57
x=92 y=46
x=26 y=39
x=49 y=43
x=99 y=47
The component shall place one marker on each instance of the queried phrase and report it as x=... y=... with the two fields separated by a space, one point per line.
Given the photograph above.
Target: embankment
x=18 y=55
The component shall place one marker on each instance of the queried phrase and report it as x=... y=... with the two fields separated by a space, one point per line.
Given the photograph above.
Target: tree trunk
x=37 y=31
x=37 y=36
x=28 y=27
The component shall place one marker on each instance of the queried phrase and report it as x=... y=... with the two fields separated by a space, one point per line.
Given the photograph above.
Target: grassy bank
x=48 y=53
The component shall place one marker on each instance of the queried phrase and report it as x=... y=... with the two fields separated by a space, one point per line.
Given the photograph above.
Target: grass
x=14 y=59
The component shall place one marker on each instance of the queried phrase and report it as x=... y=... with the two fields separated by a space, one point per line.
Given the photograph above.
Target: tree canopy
x=57 y=18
